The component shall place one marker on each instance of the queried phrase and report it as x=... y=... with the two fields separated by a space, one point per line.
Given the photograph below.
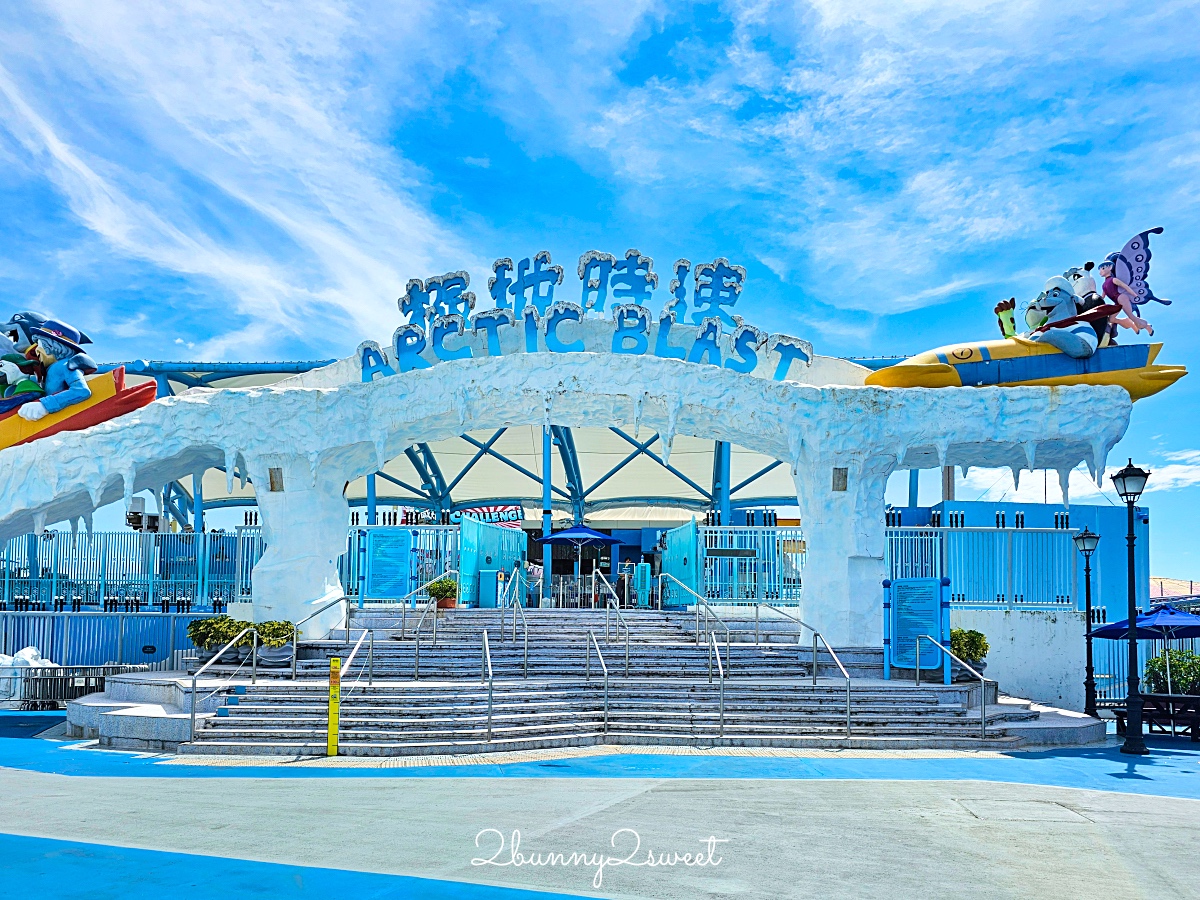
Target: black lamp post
x=1130 y=482
x=1086 y=542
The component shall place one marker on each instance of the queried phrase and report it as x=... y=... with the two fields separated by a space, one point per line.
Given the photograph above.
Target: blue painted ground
x=1172 y=769
x=66 y=870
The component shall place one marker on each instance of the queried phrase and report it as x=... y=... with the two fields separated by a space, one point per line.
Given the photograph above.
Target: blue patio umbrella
x=578 y=536
x=1161 y=623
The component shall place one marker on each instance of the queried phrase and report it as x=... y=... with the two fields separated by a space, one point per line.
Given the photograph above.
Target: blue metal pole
x=721 y=483
x=372 y=513
x=945 y=605
x=914 y=478
x=887 y=629
x=547 y=549
x=198 y=503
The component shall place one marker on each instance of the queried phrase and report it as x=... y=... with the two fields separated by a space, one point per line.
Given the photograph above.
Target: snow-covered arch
x=300 y=445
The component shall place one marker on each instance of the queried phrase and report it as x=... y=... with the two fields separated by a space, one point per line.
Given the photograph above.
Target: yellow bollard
x=335 y=703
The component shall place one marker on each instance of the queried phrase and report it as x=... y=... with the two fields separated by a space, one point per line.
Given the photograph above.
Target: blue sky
x=258 y=180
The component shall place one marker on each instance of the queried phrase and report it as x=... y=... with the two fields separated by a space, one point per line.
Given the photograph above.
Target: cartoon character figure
x=1006 y=317
x=1125 y=273
x=1117 y=291
x=56 y=347
x=1081 y=280
x=1055 y=319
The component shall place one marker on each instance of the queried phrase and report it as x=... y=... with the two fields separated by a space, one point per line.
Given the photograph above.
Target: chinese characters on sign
x=526 y=314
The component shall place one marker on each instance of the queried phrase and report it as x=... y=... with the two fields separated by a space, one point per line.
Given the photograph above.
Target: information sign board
x=916 y=610
x=389 y=559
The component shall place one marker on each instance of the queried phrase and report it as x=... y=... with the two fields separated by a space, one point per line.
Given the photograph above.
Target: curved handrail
x=370 y=658
x=422 y=587
x=713 y=648
x=431 y=604
x=219 y=653
x=982 y=681
x=776 y=609
x=613 y=603
x=313 y=615
x=702 y=603
x=588 y=644
x=817 y=637
x=486 y=666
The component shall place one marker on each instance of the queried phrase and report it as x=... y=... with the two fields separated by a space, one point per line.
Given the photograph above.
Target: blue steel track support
x=720 y=486
x=372 y=502
x=198 y=502
x=570 y=460
x=914 y=482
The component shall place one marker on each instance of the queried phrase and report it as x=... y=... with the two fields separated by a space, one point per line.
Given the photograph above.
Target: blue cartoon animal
x=1054 y=319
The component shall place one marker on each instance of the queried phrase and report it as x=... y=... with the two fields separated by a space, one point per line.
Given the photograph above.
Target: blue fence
x=96 y=639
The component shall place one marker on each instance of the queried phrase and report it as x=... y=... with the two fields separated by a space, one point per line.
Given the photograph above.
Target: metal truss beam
x=480 y=454
x=570 y=461
x=757 y=475
x=176 y=501
x=421 y=495
x=658 y=459
x=508 y=462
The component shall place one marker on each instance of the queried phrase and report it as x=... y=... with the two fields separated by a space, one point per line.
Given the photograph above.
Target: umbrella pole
x=1170 y=704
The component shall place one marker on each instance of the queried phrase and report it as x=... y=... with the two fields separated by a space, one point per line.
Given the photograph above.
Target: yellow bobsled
x=1020 y=361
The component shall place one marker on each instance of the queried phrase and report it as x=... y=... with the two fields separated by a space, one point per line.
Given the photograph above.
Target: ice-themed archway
x=302 y=444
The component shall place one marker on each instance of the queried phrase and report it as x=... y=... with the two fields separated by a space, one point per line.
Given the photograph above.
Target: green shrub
x=274 y=634
x=1185 y=673
x=443 y=589
x=969 y=646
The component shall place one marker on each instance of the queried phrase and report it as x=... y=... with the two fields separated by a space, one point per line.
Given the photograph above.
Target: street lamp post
x=1086 y=542
x=1130 y=482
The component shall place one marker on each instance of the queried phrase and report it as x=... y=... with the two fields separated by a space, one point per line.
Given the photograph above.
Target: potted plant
x=275 y=643
x=202 y=634
x=971 y=647
x=445 y=592
x=1185 y=673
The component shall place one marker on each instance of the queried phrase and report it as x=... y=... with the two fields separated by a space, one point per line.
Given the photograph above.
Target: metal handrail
x=422 y=587
x=512 y=597
x=612 y=603
x=432 y=604
x=588 y=644
x=713 y=648
x=701 y=602
x=486 y=666
x=982 y=681
x=370 y=657
x=296 y=628
x=817 y=638
x=218 y=655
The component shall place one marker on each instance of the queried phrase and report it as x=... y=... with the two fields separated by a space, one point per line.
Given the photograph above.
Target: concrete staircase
x=449 y=717
x=660 y=645
x=669 y=697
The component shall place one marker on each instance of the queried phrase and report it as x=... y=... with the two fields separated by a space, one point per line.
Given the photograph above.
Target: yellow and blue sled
x=1019 y=361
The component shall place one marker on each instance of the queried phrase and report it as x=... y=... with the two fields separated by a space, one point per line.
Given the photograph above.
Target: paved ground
x=1079 y=823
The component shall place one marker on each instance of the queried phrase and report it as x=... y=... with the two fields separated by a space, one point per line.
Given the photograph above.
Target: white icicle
x=230 y=465
x=242 y=472
x=1099 y=461
x=127 y=478
x=1030 y=454
x=87 y=524
x=1016 y=474
x=96 y=492
x=637 y=413
x=74 y=529
x=964 y=470
x=942 y=446
x=39 y=523
x=669 y=438
x=1064 y=481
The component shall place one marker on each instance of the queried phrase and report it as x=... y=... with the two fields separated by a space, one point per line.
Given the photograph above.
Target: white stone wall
x=1035 y=654
x=321 y=438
